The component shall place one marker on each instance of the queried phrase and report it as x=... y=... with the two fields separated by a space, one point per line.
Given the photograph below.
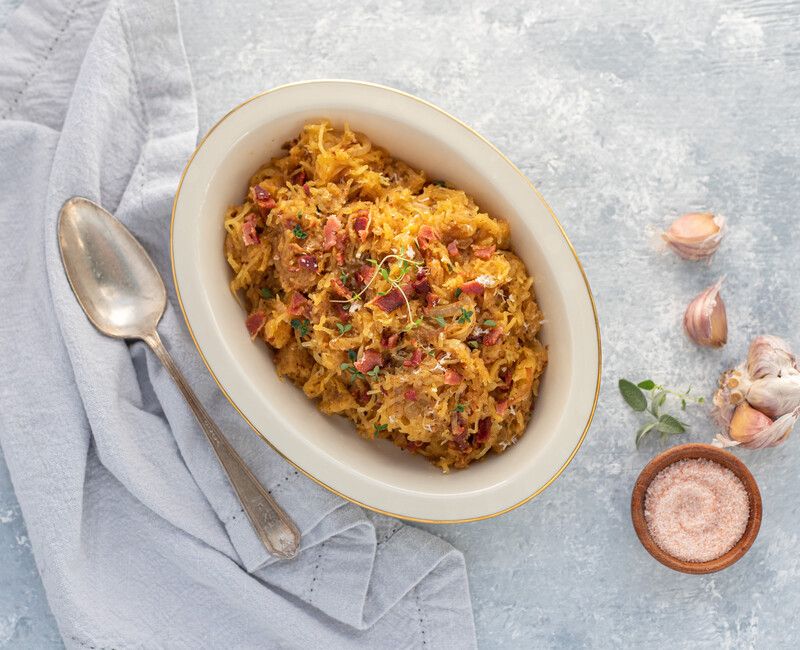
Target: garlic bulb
x=758 y=402
x=770 y=356
x=696 y=235
x=705 y=320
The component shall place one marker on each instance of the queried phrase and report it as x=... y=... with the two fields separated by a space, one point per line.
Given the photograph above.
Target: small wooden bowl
x=724 y=458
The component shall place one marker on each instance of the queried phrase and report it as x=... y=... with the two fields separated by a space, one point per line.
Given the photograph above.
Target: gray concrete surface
x=621 y=114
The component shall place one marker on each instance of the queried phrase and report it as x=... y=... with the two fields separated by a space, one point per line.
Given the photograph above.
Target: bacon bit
x=507 y=377
x=473 y=288
x=410 y=395
x=415 y=359
x=390 y=301
x=421 y=285
x=484 y=429
x=492 y=336
x=341 y=311
x=414 y=445
x=452 y=249
x=362 y=399
x=308 y=262
x=361 y=223
x=451 y=377
x=459 y=432
x=432 y=299
x=299 y=178
x=249 y=234
x=425 y=236
x=484 y=252
x=255 y=322
x=365 y=273
x=390 y=341
x=332 y=226
x=262 y=199
x=369 y=360
x=340 y=240
x=501 y=407
x=306 y=189
x=298 y=304
x=340 y=290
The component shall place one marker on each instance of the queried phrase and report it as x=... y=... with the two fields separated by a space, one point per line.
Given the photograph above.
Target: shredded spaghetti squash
x=389 y=298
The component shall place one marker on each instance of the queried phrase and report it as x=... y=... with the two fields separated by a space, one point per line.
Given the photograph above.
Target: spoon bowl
x=112 y=276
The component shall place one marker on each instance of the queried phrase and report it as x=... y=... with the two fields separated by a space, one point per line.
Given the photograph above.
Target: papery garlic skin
x=750 y=436
x=705 y=319
x=770 y=356
x=760 y=411
x=695 y=235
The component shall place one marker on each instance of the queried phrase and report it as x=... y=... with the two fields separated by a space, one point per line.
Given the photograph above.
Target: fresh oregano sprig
x=650 y=398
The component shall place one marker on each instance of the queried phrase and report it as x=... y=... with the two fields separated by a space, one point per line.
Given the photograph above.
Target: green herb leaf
x=633 y=395
x=266 y=293
x=343 y=276
x=643 y=431
x=380 y=427
x=302 y=327
x=384 y=273
x=647 y=384
x=440 y=320
x=457 y=292
x=439 y=183
x=669 y=425
x=473 y=344
x=459 y=408
x=374 y=372
x=298 y=232
x=489 y=323
x=657 y=402
x=351 y=354
x=464 y=316
x=343 y=327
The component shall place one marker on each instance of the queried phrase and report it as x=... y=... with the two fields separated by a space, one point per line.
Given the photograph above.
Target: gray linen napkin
x=138 y=537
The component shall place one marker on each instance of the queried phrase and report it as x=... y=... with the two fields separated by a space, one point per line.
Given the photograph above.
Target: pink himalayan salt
x=696 y=510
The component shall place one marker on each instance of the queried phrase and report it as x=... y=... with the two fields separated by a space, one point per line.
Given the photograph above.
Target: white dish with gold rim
x=378 y=475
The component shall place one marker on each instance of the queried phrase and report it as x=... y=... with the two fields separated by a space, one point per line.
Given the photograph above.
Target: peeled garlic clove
x=705 y=320
x=770 y=356
x=696 y=235
x=775 y=396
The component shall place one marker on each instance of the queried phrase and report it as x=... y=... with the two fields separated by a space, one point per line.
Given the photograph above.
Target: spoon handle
x=274 y=528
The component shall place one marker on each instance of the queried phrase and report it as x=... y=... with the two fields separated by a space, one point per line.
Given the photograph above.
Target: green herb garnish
x=380 y=427
x=459 y=408
x=343 y=327
x=266 y=293
x=439 y=183
x=298 y=232
x=489 y=323
x=464 y=316
x=473 y=344
x=351 y=354
x=302 y=327
x=374 y=372
x=440 y=320
x=649 y=397
x=457 y=292
x=352 y=371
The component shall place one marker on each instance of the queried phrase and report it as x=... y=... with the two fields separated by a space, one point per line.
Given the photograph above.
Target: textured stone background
x=621 y=115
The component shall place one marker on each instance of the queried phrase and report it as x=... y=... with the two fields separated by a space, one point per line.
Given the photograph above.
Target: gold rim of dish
x=264 y=437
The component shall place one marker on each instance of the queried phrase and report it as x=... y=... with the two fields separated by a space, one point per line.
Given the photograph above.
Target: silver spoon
x=119 y=288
